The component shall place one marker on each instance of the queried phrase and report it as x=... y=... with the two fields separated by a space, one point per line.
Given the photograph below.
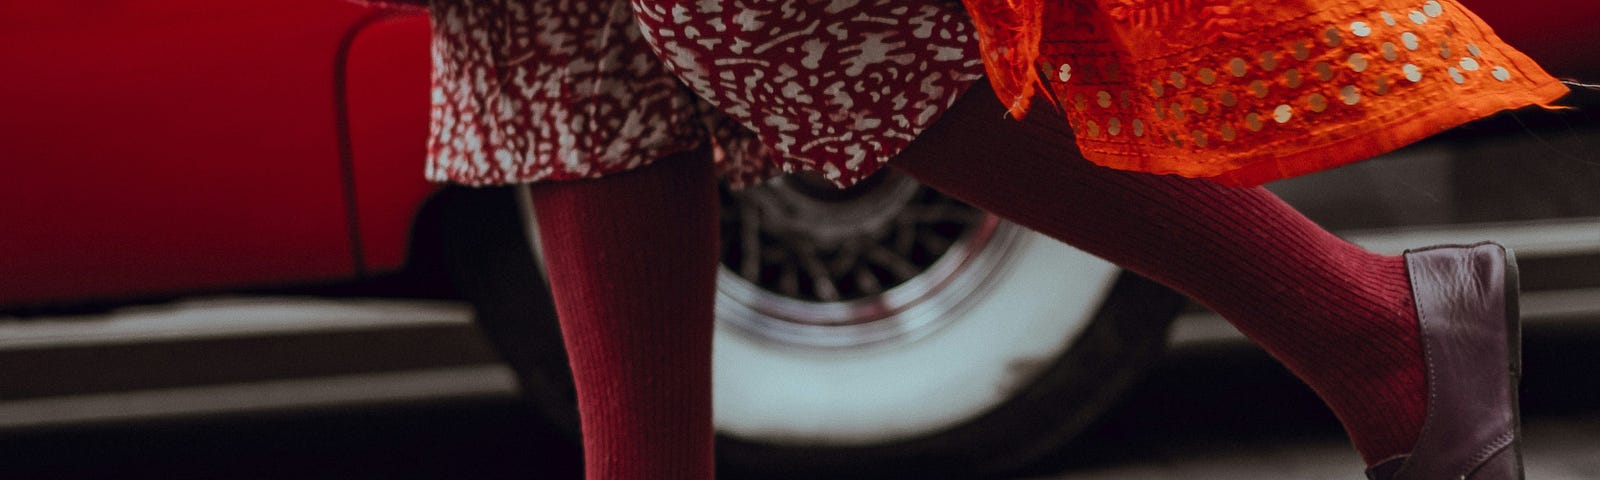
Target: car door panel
x=166 y=146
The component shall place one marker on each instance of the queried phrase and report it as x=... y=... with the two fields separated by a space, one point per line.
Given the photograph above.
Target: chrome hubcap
x=809 y=265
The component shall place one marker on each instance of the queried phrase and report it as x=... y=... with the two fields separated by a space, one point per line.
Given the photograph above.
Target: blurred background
x=218 y=259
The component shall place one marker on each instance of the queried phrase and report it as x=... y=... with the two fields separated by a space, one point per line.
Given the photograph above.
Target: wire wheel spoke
x=887 y=260
x=829 y=246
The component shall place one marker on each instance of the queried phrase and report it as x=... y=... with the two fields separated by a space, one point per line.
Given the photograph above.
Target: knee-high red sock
x=1339 y=317
x=632 y=263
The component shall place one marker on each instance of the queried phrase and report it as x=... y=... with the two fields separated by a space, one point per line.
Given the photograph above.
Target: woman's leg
x=1339 y=317
x=632 y=264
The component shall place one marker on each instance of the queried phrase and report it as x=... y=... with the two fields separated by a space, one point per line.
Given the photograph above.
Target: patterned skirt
x=1240 y=91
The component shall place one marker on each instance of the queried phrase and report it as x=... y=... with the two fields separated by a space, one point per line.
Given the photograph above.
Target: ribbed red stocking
x=632 y=264
x=1339 y=317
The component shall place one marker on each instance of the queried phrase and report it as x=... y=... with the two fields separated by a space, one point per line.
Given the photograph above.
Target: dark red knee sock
x=1339 y=317
x=632 y=264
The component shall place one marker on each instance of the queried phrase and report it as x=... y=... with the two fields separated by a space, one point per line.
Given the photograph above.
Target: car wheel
x=888 y=330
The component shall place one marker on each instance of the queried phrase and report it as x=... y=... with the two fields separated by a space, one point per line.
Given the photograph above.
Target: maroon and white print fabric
x=836 y=87
x=531 y=90
x=527 y=90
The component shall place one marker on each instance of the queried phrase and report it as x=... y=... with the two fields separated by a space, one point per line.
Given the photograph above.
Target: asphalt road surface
x=1244 y=418
x=1241 y=417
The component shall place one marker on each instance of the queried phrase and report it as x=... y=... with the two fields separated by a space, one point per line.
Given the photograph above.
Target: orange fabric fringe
x=1009 y=32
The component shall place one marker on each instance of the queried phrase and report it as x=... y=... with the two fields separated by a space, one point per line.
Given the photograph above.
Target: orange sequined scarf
x=1245 y=92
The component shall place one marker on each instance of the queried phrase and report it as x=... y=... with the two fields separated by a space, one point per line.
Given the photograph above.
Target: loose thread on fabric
x=1575 y=83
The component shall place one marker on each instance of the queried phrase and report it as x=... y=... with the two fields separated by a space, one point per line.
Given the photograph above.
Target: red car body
x=160 y=147
x=154 y=147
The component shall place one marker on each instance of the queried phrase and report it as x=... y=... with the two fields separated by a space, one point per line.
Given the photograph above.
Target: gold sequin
x=1324 y=71
x=1177 y=80
x=1292 y=78
x=1418 y=17
x=1208 y=76
x=1444 y=49
x=1228 y=99
x=1501 y=74
x=1387 y=18
x=1199 y=139
x=1228 y=133
x=1474 y=50
x=1138 y=127
x=1236 y=66
x=1283 y=113
x=1064 y=73
x=1157 y=89
x=1360 y=29
x=1433 y=8
x=1413 y=73
x=1301 y=50
x=1103 y=99
x=1331 y=37
x=1094 y=129
x=1173 y=137
x=1114 y=126
x=1317 y=102
x=1456 y=76
x=1390 y=52
x=1253 y=122
x=1269 y=60
x=1350 y=95
x=1200 y=106
x=1358 y=62
x=1382 y=85
x=1258 y=88
x=1469 y=64
x=1079 y=102
x=1411 y=41
x=1177 y=111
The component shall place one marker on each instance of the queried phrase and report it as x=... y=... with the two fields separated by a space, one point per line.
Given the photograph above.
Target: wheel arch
x=382 y=85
